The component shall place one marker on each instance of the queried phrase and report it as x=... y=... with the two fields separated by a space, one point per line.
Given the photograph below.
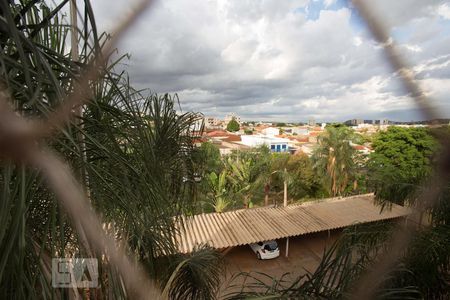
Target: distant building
x=300 y=130
x=271 y=131
x=275 y=144
x=312 y=122
x=354 y=122
x=361 y=148
x=230 y=117
x=382 y=122
x=212 y=123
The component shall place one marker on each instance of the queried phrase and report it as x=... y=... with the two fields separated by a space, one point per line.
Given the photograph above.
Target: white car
x=266 y=250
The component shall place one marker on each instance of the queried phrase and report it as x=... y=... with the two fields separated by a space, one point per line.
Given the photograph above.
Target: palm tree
x=218 y=186
x=137 y=151
x=333 y=159
x=279 y=172
x=239 y=175
x=194 y=276
x=421 y=269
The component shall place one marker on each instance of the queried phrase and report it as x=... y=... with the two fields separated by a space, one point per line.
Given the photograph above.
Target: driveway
x=304 y=255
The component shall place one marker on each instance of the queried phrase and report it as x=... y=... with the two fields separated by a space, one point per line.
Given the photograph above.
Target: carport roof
x=245 y=226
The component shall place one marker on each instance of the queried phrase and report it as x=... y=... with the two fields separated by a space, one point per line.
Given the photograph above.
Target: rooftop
x=245 y=226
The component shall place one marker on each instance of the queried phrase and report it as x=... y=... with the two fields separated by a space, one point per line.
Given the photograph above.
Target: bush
x=233 y=125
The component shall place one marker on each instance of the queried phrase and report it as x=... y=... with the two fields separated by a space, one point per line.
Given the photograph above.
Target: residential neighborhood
x=290 y=139
x=223 y=149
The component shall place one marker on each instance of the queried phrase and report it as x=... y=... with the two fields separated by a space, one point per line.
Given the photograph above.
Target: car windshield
x=271 y=245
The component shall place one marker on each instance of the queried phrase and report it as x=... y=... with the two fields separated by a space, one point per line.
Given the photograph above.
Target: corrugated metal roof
x=245 y=226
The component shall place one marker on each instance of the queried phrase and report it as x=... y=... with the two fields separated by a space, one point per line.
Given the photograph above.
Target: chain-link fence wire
x=20 y=140
x=432 y=187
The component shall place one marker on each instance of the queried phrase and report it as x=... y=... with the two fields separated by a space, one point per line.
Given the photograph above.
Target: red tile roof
x=217 y=133
x=232 y=138
x=315 y=133
x=303 y=139
x=359 y=147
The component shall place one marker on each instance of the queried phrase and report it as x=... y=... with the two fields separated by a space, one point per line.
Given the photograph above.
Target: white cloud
x=444 y=11
x=328 y=3
x=357 y=41
x=412 y=48
x=266 y=60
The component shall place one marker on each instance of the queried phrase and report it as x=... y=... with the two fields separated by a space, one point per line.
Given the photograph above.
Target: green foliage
x=136 y=150
x=427 y=261
x=195 y=276
x=36 y=73
x=248 y=131
x=422 y=270
x=333 y=159
x=259 y=161
x=336 y=125
x=298 y=172
x=358 y=139
x=281 y=124
x=338 y=272
x=252 y=175
x=220 y=194
x=401 y=160
x=240 y=177
x=207 y=159
x=233 y=126
x=304 y=182
x=141 y=169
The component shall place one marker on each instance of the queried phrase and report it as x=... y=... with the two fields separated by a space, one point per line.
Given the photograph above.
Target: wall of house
x=271 y=131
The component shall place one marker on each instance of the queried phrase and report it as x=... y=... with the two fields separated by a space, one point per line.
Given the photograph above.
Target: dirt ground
x=305 y=253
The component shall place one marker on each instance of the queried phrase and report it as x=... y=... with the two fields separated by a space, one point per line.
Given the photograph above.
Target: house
x=306 y=148
x=313 y=136
x=271 y=131
x=217 y=134
x=300 y=130
x=275 y=144
x=361 y=148
x=230 y=117
x=213 y=123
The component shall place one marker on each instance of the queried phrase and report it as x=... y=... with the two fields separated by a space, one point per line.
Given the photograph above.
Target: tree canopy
x=333 y=158
x=400 y=161
x=233 y=125
x=134 y=150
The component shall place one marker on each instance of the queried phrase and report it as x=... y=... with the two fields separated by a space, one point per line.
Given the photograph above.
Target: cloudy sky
x=285 y=60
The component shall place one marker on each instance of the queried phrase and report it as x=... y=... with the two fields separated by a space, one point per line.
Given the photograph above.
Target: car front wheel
x=258 y=255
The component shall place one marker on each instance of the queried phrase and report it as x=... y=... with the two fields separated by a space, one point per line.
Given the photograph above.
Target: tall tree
x=280 y=177
x=250 y=172
x=138 y=149
x=333 y=158
x=233 y=125
x=208 y=158
x=304 y=183
x=400 y=161
x=219 y=191
x=240 y=176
